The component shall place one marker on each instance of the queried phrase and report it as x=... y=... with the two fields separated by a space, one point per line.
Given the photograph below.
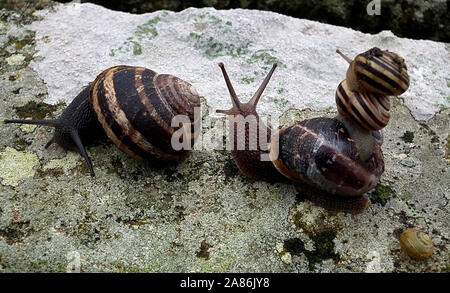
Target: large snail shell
x=368 y=110
x=416 y=244
x=135 y=107
x=320 y=152
x=378 y=71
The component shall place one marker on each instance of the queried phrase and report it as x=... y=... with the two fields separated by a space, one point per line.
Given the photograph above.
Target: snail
x=377 y=71
x=134 y=106
x=416 y=244
x=333 y=161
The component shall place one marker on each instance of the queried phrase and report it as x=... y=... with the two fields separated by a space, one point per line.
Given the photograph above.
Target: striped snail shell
x=134 y=106
x=366 y=109
x=377 y=71
x=416 y=244
x=363 y=97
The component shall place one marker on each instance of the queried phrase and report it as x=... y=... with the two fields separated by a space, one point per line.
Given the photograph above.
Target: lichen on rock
x=16 y=166
x=203 y=215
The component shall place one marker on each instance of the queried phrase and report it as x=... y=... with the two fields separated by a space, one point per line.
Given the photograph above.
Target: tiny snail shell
x=416 y=244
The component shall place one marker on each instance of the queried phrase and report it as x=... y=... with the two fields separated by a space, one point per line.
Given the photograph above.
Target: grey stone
x=203 y=215
x=425 y=19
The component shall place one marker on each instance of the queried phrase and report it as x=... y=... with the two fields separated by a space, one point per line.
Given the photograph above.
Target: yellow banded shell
x=368 y=110
x=378 y=71
x=416 y=244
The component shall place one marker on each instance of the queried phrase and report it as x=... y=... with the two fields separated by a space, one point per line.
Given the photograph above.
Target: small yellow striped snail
x=372 y=77
x=134 y=106
x=416 y=244
x=377 y=71
x=333 y=161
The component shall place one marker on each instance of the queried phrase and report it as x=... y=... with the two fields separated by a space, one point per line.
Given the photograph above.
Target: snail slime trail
x=134 y=107
x=331 y=161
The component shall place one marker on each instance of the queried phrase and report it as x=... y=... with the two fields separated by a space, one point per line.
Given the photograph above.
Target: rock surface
x=203 y=215
x=429 y=18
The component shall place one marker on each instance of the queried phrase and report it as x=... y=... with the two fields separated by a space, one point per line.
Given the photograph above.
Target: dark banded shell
x=321 y=153
x=368 y=110
x=135 y=107
x=381 y=72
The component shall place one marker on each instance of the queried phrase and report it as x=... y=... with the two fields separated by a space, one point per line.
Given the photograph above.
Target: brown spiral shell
x=416 y=244
x=368 y=110
x=319 y=152
x=135 y=107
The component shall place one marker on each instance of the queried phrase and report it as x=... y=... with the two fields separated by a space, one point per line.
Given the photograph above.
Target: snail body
x=326 y=156
x=134 y=107
x=333 y=161
x=416 y=244
x=248 y=155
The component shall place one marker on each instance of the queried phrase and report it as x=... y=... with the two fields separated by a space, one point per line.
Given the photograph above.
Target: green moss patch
x=146 y=31
x=203 y=252
x=15 y=232
x=247 y=80
x=46 y=173
x=281 y=103
x=35 y=110
x=408 y=136
x=381 y=194
x=324 y=248
x=9 y=51
x=266 y=57
x=15 y=166
x=18 y=44
x=213 y=47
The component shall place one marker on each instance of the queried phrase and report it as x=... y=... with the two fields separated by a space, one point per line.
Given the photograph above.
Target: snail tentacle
x=248 y=108
x=54 y=123
x=236 y=108
x=255 y=99
x=77 y=140
x=250 y=136
x=344 y=56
